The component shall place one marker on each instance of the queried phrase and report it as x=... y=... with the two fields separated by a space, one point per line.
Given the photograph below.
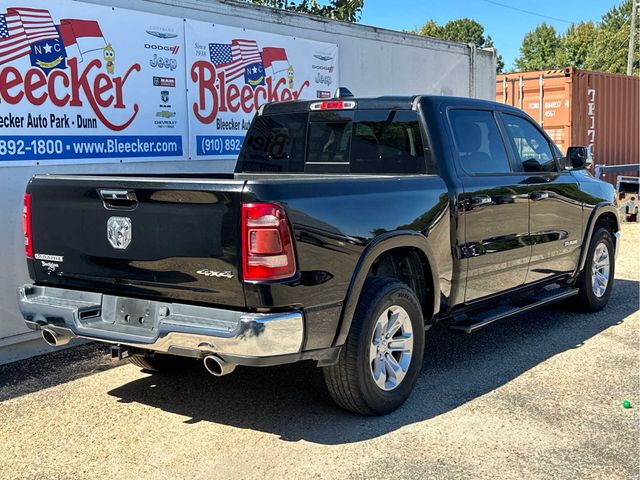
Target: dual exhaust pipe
x=53 y=338
x=214 y=364
x=218 y=367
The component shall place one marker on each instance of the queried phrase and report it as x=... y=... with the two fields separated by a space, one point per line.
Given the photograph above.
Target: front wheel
x=595 y=283
x=382 y=357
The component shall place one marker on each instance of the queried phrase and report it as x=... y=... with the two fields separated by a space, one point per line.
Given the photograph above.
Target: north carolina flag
x=273 y=54
x=84 y=35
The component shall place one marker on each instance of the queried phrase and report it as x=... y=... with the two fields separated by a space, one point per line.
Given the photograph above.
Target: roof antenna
x=343 y=92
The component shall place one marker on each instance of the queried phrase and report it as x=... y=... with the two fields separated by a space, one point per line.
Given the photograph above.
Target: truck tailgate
x=183 y=236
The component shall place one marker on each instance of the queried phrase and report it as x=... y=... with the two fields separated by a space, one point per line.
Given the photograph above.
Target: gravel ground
x=539 y=396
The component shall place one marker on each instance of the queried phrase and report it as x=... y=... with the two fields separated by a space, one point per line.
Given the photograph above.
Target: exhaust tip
x=54 y=339
x=217 y=367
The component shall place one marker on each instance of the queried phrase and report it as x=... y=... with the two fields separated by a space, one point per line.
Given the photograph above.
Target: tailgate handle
x=118 y=199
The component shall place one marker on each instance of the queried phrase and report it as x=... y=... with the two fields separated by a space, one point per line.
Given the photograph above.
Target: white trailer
x=370 y=61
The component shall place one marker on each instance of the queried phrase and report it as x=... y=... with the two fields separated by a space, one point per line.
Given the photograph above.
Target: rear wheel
x=381 y=359
x=596 y=280
x=160 y=362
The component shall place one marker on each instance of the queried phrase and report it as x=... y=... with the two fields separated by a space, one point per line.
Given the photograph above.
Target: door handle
x=538 y=195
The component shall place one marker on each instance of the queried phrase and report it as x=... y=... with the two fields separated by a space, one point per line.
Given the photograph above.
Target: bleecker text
x=214 y=95
x=72 y=88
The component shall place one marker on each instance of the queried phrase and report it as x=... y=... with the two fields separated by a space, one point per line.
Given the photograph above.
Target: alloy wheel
x=391 y=348
x=600 y=270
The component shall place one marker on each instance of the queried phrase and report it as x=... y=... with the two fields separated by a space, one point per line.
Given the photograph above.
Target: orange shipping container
x=576 y=107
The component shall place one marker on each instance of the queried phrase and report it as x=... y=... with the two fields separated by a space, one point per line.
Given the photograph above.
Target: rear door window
x=480 y=147
x=532 y=149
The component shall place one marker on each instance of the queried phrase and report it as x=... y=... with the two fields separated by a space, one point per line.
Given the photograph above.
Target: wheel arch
x=604 y=214
x=381 y=245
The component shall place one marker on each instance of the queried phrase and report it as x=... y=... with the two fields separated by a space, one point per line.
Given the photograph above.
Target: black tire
x=587 y=300
x=350 y=381
x=160 y=362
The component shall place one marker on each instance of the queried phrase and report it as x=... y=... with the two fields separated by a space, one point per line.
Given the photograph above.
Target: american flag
x=37 y=23
x=13 y=39
x=235 y=57
x=22 y=27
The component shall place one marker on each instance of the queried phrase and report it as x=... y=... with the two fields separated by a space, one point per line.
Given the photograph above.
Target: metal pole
x=541 y=97
x=504 y=90
x=632 y=37
x=520 y=91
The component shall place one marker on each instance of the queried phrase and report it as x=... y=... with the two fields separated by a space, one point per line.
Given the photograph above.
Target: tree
x=499 y=60
x=602 y=47
x=430 y=29
x=576 y=44
x=540 y=49
x=463 y=30
x=611 y=44
x=347 y=10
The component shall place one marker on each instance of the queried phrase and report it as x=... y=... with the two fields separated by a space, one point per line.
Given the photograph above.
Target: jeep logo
x=159 y=62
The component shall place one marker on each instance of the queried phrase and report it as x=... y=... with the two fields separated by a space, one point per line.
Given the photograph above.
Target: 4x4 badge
x=119 y=232
x=213 y=273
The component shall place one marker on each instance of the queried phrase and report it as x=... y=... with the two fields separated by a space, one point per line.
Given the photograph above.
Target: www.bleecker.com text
x=47 y=121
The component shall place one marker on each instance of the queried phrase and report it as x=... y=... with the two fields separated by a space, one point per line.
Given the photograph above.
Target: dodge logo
x=119 y=232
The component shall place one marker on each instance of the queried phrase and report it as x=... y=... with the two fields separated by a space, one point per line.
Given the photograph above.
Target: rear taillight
x=267 y=245
x=26 y=226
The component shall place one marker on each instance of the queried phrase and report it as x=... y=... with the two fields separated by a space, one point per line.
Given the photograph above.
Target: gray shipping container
x=372 y=61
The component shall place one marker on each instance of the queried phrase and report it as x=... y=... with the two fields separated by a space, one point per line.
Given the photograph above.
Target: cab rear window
x=274 y=143
x=365 y=141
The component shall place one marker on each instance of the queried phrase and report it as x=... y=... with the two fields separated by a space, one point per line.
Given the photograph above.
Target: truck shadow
x=290 y=401
x=55 y=368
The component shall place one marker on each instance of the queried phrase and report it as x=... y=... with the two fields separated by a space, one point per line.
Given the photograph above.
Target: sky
x=506 y=26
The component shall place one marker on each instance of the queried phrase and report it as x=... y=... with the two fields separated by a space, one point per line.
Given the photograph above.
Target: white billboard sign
x=84 y=82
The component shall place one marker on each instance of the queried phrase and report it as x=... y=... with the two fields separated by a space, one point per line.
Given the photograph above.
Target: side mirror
x=578 y=157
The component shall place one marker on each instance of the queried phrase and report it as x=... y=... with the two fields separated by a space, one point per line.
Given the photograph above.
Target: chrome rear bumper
x=174 y=328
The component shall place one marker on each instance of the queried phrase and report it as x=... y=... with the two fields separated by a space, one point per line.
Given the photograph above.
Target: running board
x=469 y=324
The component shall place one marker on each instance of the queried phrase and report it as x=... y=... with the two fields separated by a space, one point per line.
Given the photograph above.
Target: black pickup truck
x=350 y=226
